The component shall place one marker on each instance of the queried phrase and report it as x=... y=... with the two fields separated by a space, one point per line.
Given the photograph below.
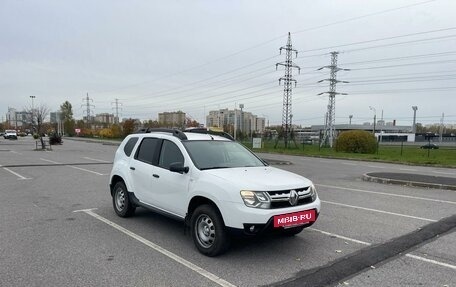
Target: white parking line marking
x=376 y=166
x=431 y=261
x=83 y=169
x=339 y=236
x=388 y=194
x=51 y=161
x=75 y=167
x=20 y=177
x=214 y=278
x=441 y=172
x=408 y=169
x=379 y=211
x=13 y=151
x=94 y=159
x=368 y=244
x=349 y=163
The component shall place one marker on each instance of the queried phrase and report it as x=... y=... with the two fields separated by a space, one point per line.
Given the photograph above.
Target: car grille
x=280 y=198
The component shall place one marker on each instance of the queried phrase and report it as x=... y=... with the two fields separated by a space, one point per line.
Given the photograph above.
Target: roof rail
x=175 y=132
x=209 y=132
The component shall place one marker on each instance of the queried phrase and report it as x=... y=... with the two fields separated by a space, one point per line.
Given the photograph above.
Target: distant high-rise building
x=105 y=118
x=55 y=117
x=172 y=119
x=245 y=122
x=17 y=119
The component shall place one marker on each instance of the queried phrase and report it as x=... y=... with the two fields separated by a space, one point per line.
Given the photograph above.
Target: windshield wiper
x=214 y=167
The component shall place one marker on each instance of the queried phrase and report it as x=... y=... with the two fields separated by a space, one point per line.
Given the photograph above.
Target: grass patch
x=445 y=156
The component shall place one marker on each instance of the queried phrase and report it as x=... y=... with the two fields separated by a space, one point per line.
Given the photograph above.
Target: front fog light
x=257 y=199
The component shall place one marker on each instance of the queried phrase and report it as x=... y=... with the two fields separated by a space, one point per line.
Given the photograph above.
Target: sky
x=197 y=56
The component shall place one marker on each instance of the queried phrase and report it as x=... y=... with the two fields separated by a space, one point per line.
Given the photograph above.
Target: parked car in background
x=429 y=146
x=10 y=134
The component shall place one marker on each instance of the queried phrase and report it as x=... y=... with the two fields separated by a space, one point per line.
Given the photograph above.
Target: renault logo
x=293 y=200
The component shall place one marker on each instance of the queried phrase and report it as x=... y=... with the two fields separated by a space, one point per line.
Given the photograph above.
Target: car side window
x=128 y=148
x=147 y=150
x=169 y=154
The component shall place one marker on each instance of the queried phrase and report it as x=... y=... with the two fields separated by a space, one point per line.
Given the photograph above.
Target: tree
x=192 y=124
x=151 y=124
x=128 y=127
x=66 y=110
x=39 y=114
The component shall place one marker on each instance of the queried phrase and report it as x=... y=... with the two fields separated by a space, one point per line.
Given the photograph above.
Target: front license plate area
x=295 y=218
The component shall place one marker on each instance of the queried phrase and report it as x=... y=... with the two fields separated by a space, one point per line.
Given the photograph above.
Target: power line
x=404 y=65
x=269 y=41
x=407 y=74
x=387 y=38
x=402 y=58
x=397 y=91
x=364 y=16
x=165 y=92
x=383 y=82
x=402 y=43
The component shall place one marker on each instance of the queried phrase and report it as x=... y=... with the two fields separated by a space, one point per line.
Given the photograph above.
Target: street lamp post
x=241 y=125
x=414 y=108
x=33 y=110
x=266 y=118
x=375 y=117
x=350 y=117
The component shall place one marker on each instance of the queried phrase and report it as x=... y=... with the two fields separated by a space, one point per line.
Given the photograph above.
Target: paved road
x=44 y=242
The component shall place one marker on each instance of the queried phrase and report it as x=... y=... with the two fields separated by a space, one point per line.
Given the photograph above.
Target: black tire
x=121 y=200
x=208 y=231
x=293 y=230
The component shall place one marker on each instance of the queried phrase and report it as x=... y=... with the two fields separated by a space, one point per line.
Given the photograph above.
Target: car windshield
x=220 y=154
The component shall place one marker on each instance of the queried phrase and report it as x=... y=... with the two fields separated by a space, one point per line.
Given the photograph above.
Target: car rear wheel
x=208 y=231
x=121 y=201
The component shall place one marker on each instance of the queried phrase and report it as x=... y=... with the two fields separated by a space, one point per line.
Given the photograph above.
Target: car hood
x=260 y=178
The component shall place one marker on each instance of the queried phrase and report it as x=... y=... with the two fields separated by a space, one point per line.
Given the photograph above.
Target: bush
x=55 y=139
x=105 y=133
x=356 y=142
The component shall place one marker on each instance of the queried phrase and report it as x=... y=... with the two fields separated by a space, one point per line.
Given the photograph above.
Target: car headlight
x=313 y=192
x=256 y=199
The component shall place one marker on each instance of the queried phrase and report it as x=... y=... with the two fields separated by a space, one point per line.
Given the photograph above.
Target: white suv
x=212 y=183
x=10 y=134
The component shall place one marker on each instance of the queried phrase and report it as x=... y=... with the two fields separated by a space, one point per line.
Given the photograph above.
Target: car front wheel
x=121 y=201
x=208 y=231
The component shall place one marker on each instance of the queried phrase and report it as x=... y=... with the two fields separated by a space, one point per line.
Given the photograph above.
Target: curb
x=367 y=177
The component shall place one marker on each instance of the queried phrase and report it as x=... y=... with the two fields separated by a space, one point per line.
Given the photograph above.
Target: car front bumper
x=238 y=215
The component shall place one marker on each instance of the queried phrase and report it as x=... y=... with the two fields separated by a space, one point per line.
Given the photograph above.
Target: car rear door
x=142 y=166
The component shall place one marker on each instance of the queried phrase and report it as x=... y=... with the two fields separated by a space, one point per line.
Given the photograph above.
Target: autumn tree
x=151 y=124
x=128 y=127
x=192 y=124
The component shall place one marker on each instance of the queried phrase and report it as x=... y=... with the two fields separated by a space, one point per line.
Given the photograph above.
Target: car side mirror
x=178 y=167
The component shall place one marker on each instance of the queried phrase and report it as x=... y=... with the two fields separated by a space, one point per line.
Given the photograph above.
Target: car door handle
x=155 y=175
x=132 y=168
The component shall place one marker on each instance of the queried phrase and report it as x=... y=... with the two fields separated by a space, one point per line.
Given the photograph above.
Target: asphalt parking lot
x=58 y=228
